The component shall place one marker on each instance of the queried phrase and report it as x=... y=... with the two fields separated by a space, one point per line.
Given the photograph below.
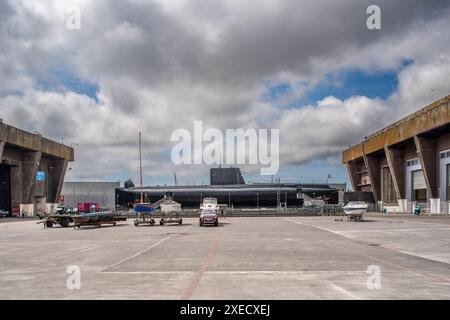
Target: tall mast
x=140 y=167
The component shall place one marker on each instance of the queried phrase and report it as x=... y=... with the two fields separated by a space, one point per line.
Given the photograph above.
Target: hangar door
x=419 y=186
x=5 y=189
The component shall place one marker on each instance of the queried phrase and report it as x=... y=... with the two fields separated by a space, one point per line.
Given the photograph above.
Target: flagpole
x=140 y=167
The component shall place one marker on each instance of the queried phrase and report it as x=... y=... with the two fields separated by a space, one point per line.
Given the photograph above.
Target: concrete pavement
x=244 y=258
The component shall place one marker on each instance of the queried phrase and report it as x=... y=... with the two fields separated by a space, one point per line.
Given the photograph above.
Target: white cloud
x=161 y=65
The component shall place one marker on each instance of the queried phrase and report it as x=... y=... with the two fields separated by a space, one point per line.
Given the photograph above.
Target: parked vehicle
x=209 y=216
x=59 y=218
x=88 y=207
x=61 y=210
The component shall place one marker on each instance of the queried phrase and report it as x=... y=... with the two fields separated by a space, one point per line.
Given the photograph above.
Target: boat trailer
x=97 y=219
x=355 y=217
x=144 y=218
x=173 y=218
x=169 y=209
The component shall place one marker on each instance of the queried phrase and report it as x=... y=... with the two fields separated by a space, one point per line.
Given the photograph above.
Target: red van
x=88 y=207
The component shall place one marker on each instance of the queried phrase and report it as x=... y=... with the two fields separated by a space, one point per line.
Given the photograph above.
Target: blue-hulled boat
x=144 y=208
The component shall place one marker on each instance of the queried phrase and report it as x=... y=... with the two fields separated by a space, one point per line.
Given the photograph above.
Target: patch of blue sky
x=62 y=79
x=274 y=92
x=342 y=85
x=354 y=83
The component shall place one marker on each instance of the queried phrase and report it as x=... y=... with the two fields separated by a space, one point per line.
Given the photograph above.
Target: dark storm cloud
x=288 y=36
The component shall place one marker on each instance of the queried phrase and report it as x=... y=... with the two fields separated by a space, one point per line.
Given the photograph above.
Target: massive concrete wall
x=26 y=154
x=422 y=136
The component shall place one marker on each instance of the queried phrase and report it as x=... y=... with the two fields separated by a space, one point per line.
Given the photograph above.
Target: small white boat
x=170 y=206
x=355 y=208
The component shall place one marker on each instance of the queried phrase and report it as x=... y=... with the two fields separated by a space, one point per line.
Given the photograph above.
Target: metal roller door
x=419 y=186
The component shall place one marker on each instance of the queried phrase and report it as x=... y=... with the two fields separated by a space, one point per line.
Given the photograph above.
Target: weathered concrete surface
x=426 y=149
x=395 y=159
x=423 y=134
x=25 y=153
x=35 y=142
x=244 y=258
x=430 y=117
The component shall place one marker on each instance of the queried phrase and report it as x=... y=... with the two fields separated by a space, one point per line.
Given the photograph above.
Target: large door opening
x=5 y=189
x=419 y=186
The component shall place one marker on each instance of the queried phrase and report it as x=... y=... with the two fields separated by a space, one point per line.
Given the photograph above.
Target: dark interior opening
x=5 y=188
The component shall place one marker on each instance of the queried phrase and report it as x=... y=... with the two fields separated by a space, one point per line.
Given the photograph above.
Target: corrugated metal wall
x=101 y=192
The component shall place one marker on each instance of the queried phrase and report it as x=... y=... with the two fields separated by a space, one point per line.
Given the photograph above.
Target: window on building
x=444 y=154
x=419 y=187
x=413 y=162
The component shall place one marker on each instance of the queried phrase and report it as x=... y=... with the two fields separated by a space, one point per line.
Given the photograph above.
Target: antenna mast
x=140 y=167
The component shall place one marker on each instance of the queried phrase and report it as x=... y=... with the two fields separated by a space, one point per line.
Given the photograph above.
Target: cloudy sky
x=309 y=68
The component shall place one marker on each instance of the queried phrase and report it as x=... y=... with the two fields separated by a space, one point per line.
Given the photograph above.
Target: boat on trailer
x=170 y=211
x=144 y=213
x=355 y=210
x=143 y=210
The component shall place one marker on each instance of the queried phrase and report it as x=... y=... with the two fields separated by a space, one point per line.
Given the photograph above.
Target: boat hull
x=355 y=211
x=144 y=208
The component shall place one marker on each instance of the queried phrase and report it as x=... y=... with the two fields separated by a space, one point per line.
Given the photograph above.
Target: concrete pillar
x=435 y=205
x=2 y=139
x=396 y=162
x=426 y=150
x=402 y=205
x=373 y=169
x=56 y=179
x=353 y=174
x=16 y=185
x=2 y=148
x=30 y=164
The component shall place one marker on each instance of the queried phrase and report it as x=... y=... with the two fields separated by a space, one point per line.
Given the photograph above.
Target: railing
x=326 y=210
x=411 y=205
